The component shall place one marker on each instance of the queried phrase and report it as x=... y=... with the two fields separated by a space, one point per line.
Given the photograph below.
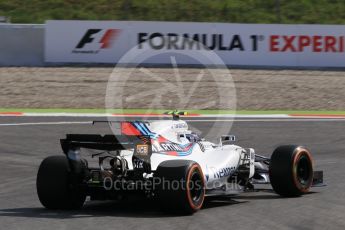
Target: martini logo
x=96 y=39
x=163 y=147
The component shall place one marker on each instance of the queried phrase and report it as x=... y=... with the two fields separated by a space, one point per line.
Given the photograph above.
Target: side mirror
x=227 y=139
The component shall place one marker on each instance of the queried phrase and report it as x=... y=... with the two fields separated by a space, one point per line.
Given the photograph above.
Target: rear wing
x=99 y=142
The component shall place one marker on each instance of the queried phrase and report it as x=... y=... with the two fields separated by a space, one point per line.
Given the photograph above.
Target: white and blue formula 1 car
x=167 y=162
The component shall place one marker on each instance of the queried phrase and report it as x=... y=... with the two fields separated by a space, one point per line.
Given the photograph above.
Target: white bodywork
x=218 y=161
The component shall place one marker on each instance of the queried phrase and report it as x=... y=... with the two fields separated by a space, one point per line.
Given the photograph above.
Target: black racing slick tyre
x=55 y=188
x=291 y=170
x=181 y=187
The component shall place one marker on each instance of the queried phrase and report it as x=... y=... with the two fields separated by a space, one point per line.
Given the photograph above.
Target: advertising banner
x=235 y=44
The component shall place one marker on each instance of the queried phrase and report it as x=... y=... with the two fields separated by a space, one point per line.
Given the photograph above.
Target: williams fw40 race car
x=166 y=162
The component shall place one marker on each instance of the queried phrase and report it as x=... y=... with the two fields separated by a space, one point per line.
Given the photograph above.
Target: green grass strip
x=160 y=111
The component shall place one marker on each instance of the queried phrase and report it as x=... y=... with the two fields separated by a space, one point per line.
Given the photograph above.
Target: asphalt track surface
x=22 y=148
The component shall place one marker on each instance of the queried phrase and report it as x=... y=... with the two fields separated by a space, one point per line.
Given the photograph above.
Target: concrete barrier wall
x=21 y=45
x=25 y=45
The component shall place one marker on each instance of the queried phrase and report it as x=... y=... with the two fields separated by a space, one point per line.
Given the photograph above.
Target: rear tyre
x=182 y=186
x=291 y=170
x=55 y=187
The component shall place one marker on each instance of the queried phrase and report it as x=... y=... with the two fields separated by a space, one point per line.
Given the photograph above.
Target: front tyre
x=182 y=186
x=55 y=187
x=291 y=170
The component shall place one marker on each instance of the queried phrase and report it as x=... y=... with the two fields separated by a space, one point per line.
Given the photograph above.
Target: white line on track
x=266 y=120
x=228 y=116
x=207 y=116
x=47 y=123
x=203 y=120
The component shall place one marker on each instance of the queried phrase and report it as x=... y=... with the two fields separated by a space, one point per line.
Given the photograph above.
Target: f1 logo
x=106 y=40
